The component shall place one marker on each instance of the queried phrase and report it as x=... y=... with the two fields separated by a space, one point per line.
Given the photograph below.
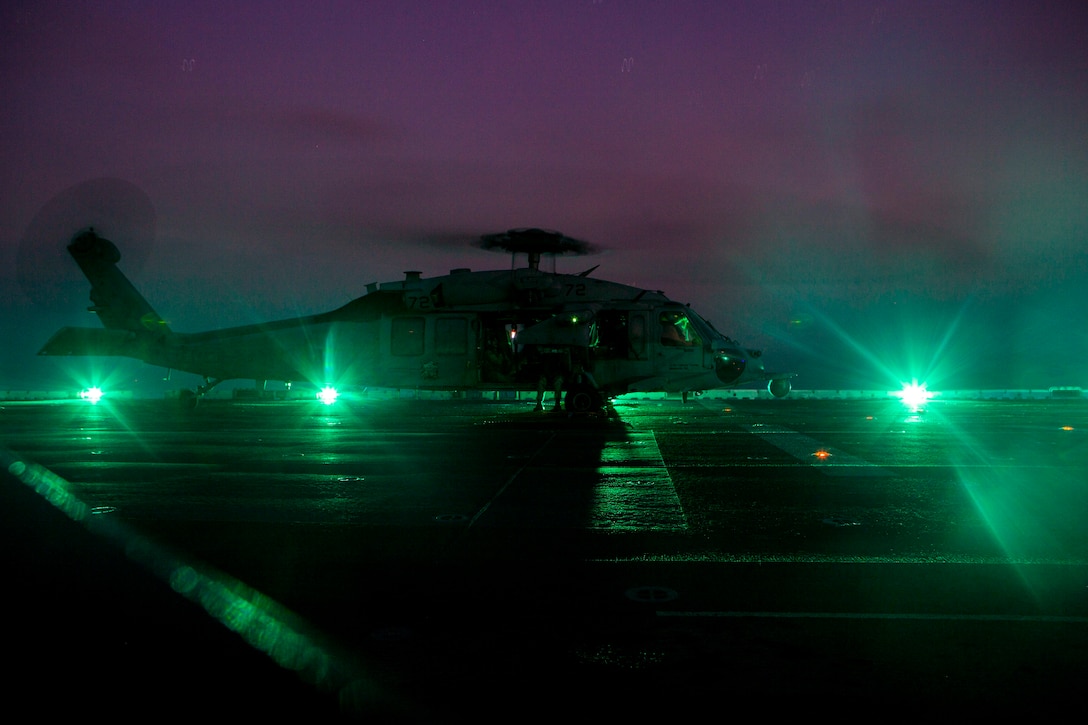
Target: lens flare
x=328 y=395
x=914 y=394
x=92 y=395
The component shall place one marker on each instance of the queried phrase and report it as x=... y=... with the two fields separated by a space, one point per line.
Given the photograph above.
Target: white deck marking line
x=635 y=491
x=804 y=449
x=921 y=616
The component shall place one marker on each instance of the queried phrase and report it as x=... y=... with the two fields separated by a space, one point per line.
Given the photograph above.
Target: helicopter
x=498 y=330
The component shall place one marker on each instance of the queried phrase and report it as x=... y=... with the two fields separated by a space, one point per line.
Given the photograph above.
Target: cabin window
x=451 y=336
x=407 y=336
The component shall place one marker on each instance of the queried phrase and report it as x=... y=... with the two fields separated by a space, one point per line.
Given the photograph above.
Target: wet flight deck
x=477 y=560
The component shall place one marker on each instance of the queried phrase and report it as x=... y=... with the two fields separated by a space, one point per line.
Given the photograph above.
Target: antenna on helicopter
x=534 y=243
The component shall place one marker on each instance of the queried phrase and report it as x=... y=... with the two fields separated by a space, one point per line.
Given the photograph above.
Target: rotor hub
x=534 y=243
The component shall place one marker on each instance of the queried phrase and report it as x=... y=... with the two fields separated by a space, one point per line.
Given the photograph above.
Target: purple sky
x=858 y=188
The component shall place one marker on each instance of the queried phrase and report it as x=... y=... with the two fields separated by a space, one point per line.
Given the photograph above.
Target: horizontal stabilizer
x=90 y=341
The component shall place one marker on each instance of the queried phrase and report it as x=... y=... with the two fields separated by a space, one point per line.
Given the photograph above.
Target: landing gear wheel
x=582 y=398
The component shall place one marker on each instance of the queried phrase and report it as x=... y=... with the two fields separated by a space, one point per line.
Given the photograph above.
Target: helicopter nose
x=729 y=365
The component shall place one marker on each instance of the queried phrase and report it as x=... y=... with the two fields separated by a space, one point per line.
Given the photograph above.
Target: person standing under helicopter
x=553 y=366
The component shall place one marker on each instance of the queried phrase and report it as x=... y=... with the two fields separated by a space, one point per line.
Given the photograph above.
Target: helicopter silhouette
x=513 y=329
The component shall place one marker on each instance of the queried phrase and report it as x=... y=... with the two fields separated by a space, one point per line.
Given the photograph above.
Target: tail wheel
x=582 y=398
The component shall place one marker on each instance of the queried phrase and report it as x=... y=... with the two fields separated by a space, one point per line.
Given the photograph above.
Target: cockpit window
x=677 y=330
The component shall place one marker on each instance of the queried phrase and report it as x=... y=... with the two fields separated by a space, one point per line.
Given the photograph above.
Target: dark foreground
x=465 y=560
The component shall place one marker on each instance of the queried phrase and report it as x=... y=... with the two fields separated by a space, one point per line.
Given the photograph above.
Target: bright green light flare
x=919 y=346
x=914 y=394
x=92 y=395
x=346 y=361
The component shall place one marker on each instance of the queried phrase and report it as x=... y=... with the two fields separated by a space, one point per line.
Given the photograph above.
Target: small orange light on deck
x=822 y=455
x=1067 y=427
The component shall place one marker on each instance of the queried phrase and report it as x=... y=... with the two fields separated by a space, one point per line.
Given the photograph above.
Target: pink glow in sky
x=852 y=165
